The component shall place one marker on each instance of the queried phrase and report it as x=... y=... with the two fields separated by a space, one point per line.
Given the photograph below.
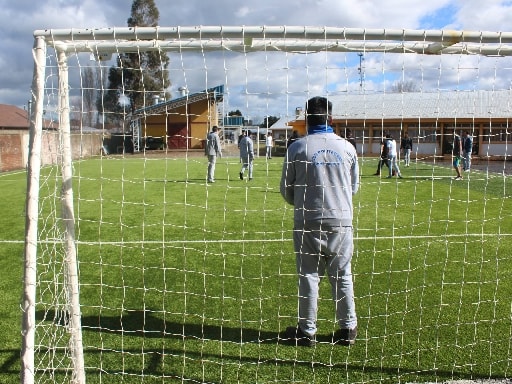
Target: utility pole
x=361 y=70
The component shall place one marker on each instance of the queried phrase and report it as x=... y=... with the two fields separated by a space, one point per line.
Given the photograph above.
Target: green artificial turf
x=183 y=281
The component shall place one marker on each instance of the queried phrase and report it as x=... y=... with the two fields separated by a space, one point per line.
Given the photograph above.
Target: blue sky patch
x=440 y=18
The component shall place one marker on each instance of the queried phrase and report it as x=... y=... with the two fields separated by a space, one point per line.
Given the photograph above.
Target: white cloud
x=273 y=83
x=474 y=15
x=243 y=12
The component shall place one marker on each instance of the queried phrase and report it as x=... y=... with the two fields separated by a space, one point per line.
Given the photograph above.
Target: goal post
x=31 y=220
x=60 y=357
x=280 y=38
x=72 y=307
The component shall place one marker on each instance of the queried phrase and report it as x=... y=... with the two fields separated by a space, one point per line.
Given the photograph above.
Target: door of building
x=177 y=136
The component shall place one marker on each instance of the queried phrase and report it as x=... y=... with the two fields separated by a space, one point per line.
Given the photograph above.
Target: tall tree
x=404 y=86
x=101 y=84
x=136 y=77
x=269 y=121
x=88 y=94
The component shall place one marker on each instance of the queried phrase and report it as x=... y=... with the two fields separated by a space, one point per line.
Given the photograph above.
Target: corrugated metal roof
x=216 y=93
x=282 y=123
x=412 y=105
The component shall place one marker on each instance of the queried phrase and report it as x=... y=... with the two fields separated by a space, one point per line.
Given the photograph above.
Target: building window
x=359 y=132
x=422 y=133
x=395 y=131
x=497 y=133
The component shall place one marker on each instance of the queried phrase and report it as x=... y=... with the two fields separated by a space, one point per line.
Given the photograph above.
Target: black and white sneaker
x=345 y=336
x=295 y=335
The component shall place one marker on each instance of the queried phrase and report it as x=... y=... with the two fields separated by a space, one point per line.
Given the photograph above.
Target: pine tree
x=136 y=77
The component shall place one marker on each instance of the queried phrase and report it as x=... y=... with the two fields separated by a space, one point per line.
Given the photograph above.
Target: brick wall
x=14 y=148
x=11 y=157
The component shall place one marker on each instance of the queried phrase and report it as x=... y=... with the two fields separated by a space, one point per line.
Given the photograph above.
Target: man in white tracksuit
x=320 y=174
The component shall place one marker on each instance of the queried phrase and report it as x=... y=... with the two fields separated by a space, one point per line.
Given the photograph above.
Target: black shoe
x=241 y=176
x=376 y=174
x=295 y=335
x=345 y=336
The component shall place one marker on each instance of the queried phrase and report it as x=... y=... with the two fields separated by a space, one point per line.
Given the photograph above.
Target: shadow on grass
x=146 y=325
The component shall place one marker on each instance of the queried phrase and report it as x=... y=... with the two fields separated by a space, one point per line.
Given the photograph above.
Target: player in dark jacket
x=383 y=155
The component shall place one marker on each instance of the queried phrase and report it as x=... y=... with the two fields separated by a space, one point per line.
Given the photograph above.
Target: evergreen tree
x=269 y=121
x=136 y=77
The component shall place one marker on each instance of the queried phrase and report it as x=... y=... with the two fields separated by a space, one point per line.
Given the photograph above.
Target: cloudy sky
x=268 y=84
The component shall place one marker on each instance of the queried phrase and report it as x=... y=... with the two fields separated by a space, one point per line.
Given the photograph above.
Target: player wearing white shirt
x=269 y=145
x=392 y=157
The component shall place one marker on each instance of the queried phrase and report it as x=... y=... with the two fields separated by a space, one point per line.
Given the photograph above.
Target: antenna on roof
x=183 y=91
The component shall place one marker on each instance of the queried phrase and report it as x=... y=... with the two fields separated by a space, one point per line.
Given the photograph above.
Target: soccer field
x=183 y=281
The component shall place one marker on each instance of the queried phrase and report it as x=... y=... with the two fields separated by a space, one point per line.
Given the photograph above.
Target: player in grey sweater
x=212 y=149
x=246 y=154
x=319 y=178
x=320 y=174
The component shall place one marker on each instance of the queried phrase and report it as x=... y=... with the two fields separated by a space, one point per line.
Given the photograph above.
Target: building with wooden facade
x=180 y=123
x=429 y=118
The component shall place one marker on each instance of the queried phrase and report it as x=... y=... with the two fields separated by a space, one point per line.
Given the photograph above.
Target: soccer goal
x=137 y=269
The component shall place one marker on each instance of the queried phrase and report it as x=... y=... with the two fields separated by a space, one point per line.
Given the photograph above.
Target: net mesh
x=182 y=280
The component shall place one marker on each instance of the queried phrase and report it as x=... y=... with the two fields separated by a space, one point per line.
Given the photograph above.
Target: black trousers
x=381 y=163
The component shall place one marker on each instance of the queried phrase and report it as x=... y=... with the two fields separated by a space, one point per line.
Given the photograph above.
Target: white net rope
x=182 y=280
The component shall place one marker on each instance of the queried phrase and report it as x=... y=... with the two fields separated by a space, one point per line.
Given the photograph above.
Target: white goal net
x=139 y=269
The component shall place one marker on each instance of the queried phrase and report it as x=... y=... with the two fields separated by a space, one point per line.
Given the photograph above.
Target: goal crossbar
x=280 y=38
